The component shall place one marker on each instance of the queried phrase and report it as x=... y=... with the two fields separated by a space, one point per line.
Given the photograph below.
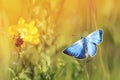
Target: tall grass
x=53 y=24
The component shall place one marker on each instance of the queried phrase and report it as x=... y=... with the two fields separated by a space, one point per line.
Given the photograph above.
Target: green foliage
x=44 y=63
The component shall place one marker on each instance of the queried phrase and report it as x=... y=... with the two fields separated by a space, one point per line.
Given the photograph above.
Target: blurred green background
x=60 y=23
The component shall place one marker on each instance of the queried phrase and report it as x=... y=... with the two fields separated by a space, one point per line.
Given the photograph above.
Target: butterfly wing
x=91 y=48
x=95 y=37
x=76 y=50
x=86 y=46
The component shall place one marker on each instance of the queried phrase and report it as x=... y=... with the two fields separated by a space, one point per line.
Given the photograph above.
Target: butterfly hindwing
x=95 y=37
x=76 y=50
x=91 y=49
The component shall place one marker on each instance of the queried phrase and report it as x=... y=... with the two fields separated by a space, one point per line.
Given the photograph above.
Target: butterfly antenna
x=75 y=35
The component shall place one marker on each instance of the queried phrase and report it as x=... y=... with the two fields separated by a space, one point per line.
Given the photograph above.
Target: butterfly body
x=85 y=46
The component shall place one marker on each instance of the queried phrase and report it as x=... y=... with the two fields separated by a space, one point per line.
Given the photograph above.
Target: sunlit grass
x=34 y=33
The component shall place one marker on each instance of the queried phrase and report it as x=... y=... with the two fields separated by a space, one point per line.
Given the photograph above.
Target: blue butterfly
x=85 y=46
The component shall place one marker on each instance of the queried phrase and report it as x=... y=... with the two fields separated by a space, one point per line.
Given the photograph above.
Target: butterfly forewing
x=76 y=50
x=95 y=37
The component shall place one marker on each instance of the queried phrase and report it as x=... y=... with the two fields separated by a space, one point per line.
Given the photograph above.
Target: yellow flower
x=27 y=31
